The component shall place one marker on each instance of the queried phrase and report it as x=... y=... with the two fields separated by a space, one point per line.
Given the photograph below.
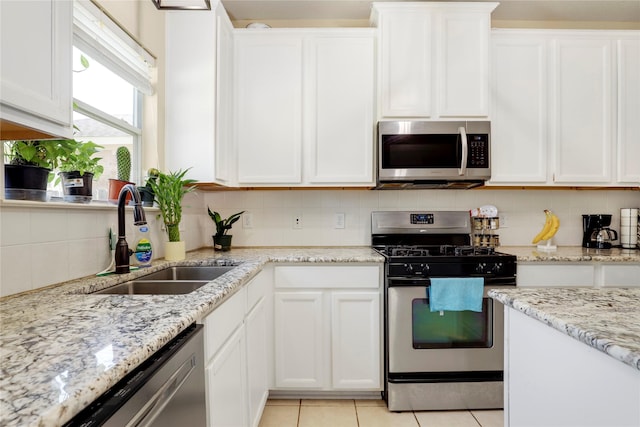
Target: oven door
x=452 y=341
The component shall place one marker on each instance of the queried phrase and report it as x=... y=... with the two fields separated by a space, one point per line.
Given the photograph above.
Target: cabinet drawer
x=538 y=275
x=225 y=319
x=364 y=276
x=621 y=275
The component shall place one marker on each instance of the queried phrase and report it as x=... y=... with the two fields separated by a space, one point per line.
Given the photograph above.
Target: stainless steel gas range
x=439 y=359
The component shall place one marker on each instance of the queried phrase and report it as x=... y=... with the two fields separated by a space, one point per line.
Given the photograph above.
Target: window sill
x=60 y=204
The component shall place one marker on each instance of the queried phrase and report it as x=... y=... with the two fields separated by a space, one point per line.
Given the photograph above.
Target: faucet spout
x=122 y=248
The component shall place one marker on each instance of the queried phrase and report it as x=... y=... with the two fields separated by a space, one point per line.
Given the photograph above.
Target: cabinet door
x=339 y=115
x=405 y=62
x=224 y=171
x=258 y=389
x=268 y=119
x=628 y=111
x=226 y=384
x=462 y=59
x=355 y=338
x=581 y=110
x=519 y=109
x=299 y=337
x=35 y=44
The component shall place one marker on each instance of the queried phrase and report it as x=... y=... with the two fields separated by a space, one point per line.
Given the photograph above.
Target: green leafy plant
x=42 y=153
x=223 y=225
x=123 y=157
x=169 y=189
x=79 y=157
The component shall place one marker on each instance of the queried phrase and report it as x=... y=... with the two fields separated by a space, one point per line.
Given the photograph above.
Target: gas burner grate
x=441 y=250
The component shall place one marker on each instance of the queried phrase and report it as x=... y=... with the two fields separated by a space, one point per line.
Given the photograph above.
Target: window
x=107 y=111
x=108 y=93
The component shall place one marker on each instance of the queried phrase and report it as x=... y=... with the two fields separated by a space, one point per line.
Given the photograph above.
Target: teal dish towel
x=456 y=293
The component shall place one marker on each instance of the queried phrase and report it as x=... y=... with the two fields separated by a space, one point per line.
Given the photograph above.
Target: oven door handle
x=465 y=151
x=408 y=281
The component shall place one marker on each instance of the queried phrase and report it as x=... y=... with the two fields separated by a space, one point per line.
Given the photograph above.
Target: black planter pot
x=222 y=243
x=77 y=188
x=147 y=195
x=23 y=182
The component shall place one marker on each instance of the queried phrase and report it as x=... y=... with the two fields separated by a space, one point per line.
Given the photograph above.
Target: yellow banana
x=555 y=224
x=545 y=228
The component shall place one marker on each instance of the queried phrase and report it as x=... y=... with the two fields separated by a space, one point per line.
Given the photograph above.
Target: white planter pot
x=174 y=251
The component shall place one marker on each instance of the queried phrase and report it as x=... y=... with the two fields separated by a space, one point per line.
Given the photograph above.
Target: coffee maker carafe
x=596 y=231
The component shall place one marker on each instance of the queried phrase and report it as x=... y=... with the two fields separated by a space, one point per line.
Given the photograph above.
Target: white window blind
x=95 y=33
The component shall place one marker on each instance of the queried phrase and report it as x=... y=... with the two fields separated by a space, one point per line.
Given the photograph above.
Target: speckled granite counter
x=606 y=319
x=60 y=348
x=572 y=254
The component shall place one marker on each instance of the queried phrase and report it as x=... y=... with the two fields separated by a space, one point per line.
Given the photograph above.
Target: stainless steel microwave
x=433 y=154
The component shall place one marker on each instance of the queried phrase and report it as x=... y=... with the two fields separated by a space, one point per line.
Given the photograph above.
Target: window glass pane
x=89 y=129
x=102 y=89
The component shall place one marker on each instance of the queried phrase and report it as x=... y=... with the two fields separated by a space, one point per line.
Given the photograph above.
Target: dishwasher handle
x=149 y=412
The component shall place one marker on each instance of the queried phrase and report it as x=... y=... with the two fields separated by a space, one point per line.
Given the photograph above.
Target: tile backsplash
x=43 y=245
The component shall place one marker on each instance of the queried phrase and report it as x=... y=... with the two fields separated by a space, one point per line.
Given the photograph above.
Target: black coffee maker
x=596 y=231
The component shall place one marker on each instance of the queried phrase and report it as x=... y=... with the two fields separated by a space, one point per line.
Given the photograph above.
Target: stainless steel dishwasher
x=168 y=389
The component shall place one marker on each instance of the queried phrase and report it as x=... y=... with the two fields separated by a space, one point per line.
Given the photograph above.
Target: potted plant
x=169 y=189
x=29 y=167
x=222 y=240
x=146 y=192
x=123 y=158
x=78 y=168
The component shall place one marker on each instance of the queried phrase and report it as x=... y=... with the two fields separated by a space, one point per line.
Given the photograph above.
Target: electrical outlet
x=338 y=220
x=297 y=221
x=247 y=220
x=504 y=221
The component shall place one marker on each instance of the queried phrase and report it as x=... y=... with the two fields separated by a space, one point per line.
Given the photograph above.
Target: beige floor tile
x=283 y=402
x=379 y=416
x=327 y=402
x=446 y=419
x=280 y=416
x=324 y=416
x=370 y=402
x=489 y=418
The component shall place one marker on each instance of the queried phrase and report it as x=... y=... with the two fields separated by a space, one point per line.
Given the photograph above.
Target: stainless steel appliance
x=629 y=228
x=167 y=390
x=433 y=360
x=596 y=232
x=433 y=154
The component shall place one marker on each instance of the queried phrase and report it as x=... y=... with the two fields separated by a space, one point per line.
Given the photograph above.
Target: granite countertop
x=571 y=254
x=61 y=348
x=606 y=319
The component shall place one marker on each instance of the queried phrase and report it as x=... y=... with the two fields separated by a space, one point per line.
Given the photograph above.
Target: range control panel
x=422 y=218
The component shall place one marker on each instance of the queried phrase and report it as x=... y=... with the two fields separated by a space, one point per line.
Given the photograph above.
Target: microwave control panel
x=478 y=151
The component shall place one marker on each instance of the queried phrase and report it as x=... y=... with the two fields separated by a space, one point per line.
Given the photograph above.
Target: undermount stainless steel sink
x=170 y=281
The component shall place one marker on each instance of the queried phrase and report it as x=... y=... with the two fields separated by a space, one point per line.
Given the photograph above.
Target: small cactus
x=124 y=163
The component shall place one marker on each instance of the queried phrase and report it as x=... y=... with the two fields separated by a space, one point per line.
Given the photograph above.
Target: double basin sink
x=170 y=281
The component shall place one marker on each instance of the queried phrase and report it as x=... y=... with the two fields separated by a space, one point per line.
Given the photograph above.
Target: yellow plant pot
x=174 y=251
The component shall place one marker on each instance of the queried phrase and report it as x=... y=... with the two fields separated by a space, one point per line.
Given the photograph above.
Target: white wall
x=273 y=211
x=43 y=245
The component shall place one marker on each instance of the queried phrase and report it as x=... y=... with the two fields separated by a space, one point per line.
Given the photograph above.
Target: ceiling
x=614 y=11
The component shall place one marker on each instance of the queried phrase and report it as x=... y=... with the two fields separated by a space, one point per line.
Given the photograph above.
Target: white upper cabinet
x=199 y=67
x=35 y=65
x=268 y=114
x=433 y=59
x=628 y=125
x=519 y=109
x=304 y=107
x=557 y=118
x=582 y=109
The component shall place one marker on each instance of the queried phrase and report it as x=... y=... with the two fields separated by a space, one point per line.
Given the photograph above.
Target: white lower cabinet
x=236 y=354
x=327 y=328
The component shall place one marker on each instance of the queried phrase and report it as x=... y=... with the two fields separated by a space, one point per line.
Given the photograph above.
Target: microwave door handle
x=463 y=164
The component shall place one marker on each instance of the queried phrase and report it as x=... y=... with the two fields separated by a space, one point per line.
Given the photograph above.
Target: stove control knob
x=408 y=268
x=425 y=269
x=481 y=267
x=497 y=267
